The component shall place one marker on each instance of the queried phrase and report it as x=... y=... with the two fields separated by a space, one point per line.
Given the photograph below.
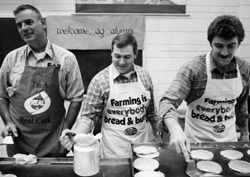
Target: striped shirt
x=98 y=94
x=190 y=83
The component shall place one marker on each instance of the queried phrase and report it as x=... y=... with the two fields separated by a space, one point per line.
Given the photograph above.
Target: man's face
x=29 y=26
x=223 y=50
x=123 y=58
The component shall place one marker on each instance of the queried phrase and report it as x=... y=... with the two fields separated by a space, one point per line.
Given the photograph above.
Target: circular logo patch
x=37 y=103
x=130 y=131
x=219 y=128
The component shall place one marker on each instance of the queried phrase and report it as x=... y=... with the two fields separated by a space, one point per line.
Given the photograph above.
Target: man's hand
x=9 y=128
x=181 y=143
x=157 y=138
x=67 y=141
x=244 y=137
x=178 y=138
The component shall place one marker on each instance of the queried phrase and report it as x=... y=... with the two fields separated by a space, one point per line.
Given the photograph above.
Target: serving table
x=63 y=167
x=171 y=163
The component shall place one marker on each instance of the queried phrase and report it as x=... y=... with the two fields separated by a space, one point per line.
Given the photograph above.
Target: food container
x=86 y=156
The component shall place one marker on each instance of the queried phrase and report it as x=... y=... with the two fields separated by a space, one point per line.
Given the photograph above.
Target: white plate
x=201 y=154
x=146 y=164
x=240 y=166
x=154 y=155
x=149 y=174
x=231 y=154
x=209 y=166
x=145 y=149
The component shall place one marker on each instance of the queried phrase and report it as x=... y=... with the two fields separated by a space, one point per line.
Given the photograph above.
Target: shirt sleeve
x=176 y=93
x=4 y=72
x=152 y=113
x=72 y=80
x=93 y=104
x=241 y=108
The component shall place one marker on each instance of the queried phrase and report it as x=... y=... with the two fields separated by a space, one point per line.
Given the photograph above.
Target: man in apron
x=215 y=87
x=36 y=79
x=121 y=95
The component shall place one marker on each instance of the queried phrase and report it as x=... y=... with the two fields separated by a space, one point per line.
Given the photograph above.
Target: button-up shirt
x=98 y=93
x=70 y=80
x=190 y=83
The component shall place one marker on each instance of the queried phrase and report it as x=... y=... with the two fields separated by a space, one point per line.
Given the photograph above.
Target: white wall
x=170 y=40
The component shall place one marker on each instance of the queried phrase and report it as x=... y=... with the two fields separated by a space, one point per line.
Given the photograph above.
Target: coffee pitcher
x=86 y=154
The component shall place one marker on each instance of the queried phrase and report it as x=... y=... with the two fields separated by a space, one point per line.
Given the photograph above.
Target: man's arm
x=72 y=113
x=178 y=138
x=241 y=111
x=244 y=131
x=5 y=115
x=91 y=110
x=156 y=130
x=171 y=100
x=4 y=98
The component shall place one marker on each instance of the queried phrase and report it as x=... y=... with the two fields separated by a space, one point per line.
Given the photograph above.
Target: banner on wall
x=131 y=6
x=93 y=32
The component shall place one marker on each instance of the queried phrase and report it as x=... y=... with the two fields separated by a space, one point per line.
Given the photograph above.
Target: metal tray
x=216 y=148
x=171 y=163
x=63 y=167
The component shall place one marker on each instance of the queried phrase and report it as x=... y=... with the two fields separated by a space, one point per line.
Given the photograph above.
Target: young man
x=122 y=96
x=36 y=79
x=215 y=87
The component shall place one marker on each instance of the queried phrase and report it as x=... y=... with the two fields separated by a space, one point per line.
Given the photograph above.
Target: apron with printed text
x=37 y=109
x=211 y=118
x=124 y=118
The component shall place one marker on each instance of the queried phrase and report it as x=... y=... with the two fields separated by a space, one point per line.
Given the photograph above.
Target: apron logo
x=38 y=103
x=130 y=131
x=219 y=128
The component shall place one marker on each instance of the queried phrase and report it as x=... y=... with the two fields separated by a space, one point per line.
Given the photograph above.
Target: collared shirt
x=70 y=80
x=98 y=93
x=190 y=83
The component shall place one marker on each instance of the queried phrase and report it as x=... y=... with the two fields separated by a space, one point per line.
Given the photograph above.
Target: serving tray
x=216 y=148
x=171 y=163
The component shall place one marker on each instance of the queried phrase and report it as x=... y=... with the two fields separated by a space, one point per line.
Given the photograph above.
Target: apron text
x=35 y=120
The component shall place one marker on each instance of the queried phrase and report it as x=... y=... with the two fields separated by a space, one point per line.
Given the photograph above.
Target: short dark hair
x=27 y=6
x=123 y=40
x=227 y=27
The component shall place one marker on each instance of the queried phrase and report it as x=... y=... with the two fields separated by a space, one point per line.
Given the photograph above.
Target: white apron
x=211 y=118
x=124 y=118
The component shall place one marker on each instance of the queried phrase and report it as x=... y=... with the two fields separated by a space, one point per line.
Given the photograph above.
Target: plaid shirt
x=190 y=83
x=98 y=94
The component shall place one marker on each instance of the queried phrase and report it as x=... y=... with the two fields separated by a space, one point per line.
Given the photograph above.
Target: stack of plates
x=149 y=174
x=146 y=151
x=145 y=164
